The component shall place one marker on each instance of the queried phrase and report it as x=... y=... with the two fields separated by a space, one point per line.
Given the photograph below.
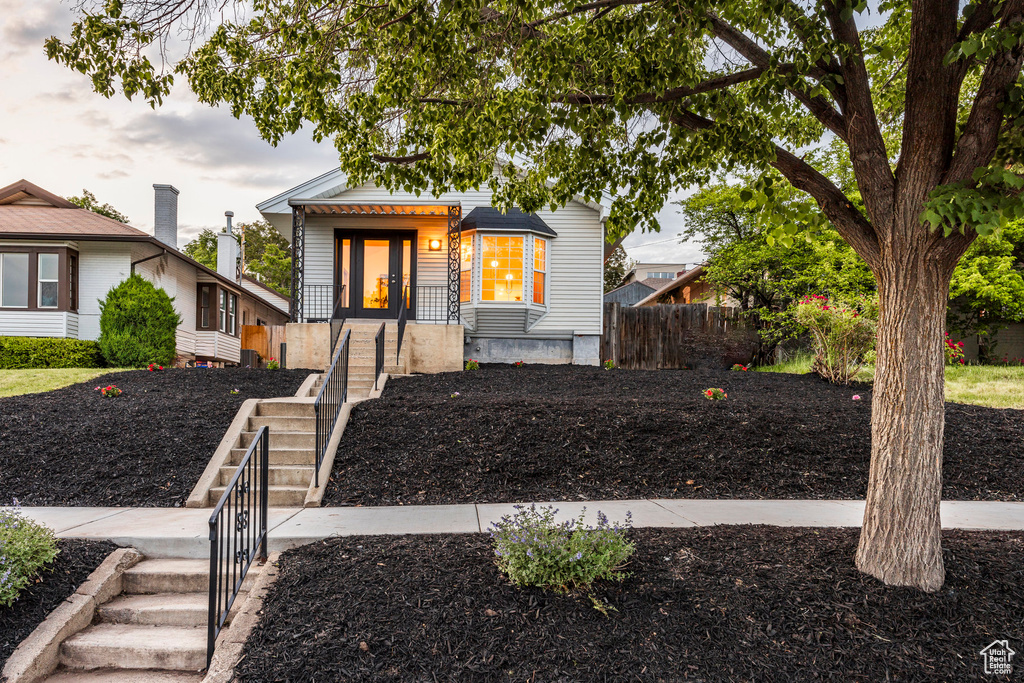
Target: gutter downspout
x=163 y=252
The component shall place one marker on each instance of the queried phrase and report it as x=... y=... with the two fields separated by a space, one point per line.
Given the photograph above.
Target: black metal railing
x=319 y=302
x=403 y=315
x=327 y=406
x=238 y=533
x=337 y=321
x=378 y=342
x=432 y=304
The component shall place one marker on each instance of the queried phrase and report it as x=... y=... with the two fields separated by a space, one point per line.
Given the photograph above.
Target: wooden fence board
x=265 y=340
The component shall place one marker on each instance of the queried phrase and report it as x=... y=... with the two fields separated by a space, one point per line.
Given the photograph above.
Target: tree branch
x=411 y=159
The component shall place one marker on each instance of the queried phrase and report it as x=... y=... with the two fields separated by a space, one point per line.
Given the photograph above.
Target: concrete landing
x=184 y=532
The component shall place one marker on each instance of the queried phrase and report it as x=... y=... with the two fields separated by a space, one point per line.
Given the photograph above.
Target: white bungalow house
x=58 y=261
x=510 y=286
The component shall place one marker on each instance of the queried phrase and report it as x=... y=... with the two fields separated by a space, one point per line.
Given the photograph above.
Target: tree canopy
x=88 y=201
x=267 y=255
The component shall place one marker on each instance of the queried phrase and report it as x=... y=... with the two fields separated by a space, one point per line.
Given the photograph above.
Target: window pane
x=48 y=267
x=14 y=280
x=538 y=288
x=344 y=266
x=47 y=295
x=376 y=273
x=407 y=271
x=223 y=321
x=502 y=272
x=539 y=254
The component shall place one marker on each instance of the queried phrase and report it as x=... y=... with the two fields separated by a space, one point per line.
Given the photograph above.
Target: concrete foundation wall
x=582 y=349
x=432 y=348
x=309 y=345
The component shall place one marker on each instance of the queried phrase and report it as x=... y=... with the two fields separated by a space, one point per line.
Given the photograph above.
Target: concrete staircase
x=292 y=451
x=362 y=355
x=154 y=631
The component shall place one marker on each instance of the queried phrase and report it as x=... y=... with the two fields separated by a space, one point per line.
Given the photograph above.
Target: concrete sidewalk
x=184 y=532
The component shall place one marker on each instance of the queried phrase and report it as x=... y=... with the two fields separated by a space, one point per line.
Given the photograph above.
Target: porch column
x=454 y=263
x=298 y=261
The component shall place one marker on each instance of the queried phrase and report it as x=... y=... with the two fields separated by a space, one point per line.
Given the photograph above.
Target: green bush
x=842 y=335
x=137 y=325
x=534 y=550
x=25 y=548
x=48 y=352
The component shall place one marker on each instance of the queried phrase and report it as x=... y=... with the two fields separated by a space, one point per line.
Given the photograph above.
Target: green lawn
x=995 y=386
x=16 y=382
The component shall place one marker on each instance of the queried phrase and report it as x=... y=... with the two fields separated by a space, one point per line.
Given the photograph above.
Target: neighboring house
x=654 y=274
x=520 y=287
x=58 y=261
x=630 y=293
x=688 y=288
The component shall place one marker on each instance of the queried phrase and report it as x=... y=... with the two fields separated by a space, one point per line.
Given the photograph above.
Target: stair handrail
x=337 y=320
x=403 y=314
x=378 y=341
x=327 y=405
x=244 y=505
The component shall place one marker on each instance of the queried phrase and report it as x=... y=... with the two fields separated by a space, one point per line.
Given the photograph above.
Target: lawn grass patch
x=34 y=381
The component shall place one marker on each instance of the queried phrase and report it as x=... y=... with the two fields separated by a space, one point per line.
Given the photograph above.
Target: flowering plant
x=842 y=335
x=519 y=364
x=110 y=391
x=856 y=397
x=1012 y=361
x=739 y=367
x=153 y=367
x=25 y=548
x=272 y=364
x=954 y=351
x=234 y=392
x=715 y=394
x=455 y=394
x=609 y=364
x=472 y=365
x=534 y=550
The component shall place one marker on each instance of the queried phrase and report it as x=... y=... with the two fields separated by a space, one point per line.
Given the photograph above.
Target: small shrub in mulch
x=146 y=447
x=550 y=433
x=76 y=559
x=748 y=603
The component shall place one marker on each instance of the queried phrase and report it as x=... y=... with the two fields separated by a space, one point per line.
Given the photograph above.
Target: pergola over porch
x=301 y=208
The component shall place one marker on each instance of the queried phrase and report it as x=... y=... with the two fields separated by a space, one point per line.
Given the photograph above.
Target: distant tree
x=88 y=201
x=138 y=324
x=615 y=268
x=203 y=248
x=274 y=269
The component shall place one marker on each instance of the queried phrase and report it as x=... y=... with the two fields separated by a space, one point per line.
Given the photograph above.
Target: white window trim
x=40 y=281
x=476 y=277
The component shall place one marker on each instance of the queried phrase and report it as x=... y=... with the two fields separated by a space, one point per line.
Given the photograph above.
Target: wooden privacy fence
x=265 y=340
x=675 y=336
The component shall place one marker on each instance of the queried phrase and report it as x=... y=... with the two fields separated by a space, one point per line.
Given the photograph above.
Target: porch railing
x=327 y=405
x=238 y=533
x=319 y=302
x=432 y=304
x=378 y=342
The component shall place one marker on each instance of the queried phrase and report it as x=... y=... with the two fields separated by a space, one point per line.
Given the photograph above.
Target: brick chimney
x=165 y=217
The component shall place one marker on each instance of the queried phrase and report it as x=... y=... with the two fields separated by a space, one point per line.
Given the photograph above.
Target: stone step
x=279 y=475
x=167 y=576
x=278 y=456
x=279 y=423
x=283 y=439
x=284 y=409
x=279 y=496
x=157 y=609
x=127 y=646
x=123 y=676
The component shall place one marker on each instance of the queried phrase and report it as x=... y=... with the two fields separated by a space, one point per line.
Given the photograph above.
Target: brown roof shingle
x=50 y=221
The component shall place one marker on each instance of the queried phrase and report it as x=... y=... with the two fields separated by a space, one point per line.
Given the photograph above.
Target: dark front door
x=372 y=270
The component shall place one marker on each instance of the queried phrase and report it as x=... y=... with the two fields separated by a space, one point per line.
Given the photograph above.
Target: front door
x=373 y=269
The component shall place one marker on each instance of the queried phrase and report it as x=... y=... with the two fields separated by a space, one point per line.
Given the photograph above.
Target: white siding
x=101 y=266
x=217 y=345
x=575 y=257
x=72 y=325
x=35 y=324
x=269 y=297
x=178 y=279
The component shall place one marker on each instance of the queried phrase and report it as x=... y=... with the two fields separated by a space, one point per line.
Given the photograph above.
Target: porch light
x=434 y=245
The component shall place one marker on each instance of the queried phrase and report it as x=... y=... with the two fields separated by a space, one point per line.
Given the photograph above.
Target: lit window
x=540 y=269
x=501 y=268
x=48 y=277
x=14 y=280
x=466 y=266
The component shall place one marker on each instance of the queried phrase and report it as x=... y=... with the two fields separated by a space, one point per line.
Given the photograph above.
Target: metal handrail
x=378 y=341
x=244 y=506
x=327 y=406
x=403 y=314
x=337 y=318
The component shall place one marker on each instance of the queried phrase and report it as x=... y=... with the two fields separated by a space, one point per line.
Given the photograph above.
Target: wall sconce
x=434 y=245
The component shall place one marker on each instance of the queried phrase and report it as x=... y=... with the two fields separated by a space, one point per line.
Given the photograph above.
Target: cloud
x=114 y=175
x=26 y=25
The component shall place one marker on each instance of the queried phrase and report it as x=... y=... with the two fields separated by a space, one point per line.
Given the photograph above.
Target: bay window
x=466 y=269
x=39 y=278
x=501 y=276
x=216 y=309
x=540 y=269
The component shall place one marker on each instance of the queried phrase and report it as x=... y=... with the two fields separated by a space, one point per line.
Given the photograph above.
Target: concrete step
x=167 y=576
x=283 y=439
x=123 y=676
x=279 y=423
x=278 y=456
x=157 y=609
x=279 y=496
x=284 y=409
x=126 y=646
x=280 y=475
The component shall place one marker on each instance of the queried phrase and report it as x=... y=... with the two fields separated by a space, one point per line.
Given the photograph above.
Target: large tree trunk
x=900 y=541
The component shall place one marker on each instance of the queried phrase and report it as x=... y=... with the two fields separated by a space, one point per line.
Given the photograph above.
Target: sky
x=59 y=134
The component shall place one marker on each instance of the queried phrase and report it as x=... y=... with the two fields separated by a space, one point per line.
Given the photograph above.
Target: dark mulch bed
x=746 y=603
x=572 y=433
x=76 y=560
x=146 y=447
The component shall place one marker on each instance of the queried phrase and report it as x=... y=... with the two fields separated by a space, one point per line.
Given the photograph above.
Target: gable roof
x=490 y=218
x=22 y=191
x=686 y=278
x=27 y=210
